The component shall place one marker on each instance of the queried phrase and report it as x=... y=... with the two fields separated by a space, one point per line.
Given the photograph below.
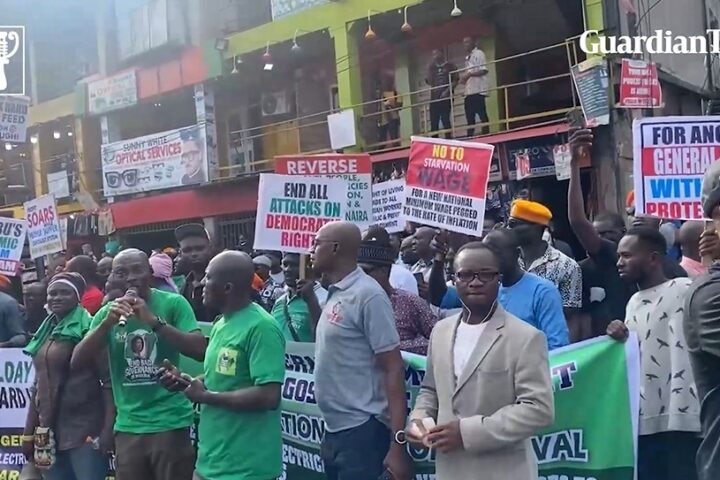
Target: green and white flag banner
x=596 y=385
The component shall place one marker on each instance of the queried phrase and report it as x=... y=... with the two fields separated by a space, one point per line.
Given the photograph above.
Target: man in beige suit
x=487 y=386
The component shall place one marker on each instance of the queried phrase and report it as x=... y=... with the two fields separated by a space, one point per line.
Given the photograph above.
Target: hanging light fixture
x=235 y=64
x=456 y=12
x=406 y=27
x=370 y=34
x=34 y=139
x=295 y=47
x=267 y=58
x=70 y=133
x=56 y=135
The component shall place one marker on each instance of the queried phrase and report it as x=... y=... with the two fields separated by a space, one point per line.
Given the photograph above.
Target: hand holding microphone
x=131 y=293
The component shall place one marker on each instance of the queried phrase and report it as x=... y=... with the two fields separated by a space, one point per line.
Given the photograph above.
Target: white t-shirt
x=473 y=62
x=668 y=395
x=402 y=279
x=466 y=339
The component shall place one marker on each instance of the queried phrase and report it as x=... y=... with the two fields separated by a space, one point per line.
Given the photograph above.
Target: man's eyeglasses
x=467 y=277
x=116 y=179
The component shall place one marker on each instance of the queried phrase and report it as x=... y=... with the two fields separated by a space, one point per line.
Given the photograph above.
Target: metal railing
x=292 y=130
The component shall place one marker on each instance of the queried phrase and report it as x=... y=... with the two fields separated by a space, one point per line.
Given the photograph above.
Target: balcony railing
x=288 y=137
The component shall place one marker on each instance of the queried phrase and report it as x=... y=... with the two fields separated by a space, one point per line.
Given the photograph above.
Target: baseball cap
x=263 y=260
x=191 y=230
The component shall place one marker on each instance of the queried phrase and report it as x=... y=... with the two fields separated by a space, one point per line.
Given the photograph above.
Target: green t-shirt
x=246 y=349
x=135 y=352
x=299 y=315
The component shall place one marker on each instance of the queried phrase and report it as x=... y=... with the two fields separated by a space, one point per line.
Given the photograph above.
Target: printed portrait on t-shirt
x=140 y=353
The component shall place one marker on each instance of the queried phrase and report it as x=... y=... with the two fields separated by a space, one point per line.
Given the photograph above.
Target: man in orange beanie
x=529 y=220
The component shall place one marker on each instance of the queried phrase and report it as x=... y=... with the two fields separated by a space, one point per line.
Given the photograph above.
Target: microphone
x=131 y=292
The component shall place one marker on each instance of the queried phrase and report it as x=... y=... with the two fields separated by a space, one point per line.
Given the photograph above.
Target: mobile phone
x=575 y=118
x=419 y=277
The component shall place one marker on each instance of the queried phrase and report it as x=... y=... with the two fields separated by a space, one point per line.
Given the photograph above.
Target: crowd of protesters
x=106 y=338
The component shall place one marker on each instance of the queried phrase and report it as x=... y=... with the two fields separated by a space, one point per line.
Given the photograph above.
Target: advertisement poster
x=112 y=93
x=43 y=227
x=388 y=199
x=170 y=159
x=12 y=239
x=14 y=118
x=292 y=208
x=356 y=170
x=670 y=157
x=639 y=85
x=447 y=184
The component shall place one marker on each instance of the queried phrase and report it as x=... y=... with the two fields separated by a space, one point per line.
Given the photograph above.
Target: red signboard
x=639 y=85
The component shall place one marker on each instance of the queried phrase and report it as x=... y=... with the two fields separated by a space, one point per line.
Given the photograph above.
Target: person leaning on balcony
x=475 y=78
x=390 y=104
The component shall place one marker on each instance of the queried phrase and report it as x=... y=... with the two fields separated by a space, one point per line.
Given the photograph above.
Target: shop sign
x=538 y=151
x=13 y=118
x=112 y=93
x=171 y=159
x=283 y=8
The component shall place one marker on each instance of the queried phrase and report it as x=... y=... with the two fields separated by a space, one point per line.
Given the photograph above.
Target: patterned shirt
x=668 y=395
x=270 y=293
x=561 y=270
x=414 y=321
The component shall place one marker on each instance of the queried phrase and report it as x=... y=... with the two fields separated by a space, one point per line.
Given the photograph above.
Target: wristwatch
x=159 y=324
x=400 y=437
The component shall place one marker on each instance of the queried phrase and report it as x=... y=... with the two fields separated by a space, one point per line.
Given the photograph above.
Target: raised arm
x=580 y=145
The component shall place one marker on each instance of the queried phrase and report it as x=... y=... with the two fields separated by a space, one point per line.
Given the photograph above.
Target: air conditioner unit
x=275 y=103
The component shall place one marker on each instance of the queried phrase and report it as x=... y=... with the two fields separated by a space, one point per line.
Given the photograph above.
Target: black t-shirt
x=701 y=325
x=602 y=281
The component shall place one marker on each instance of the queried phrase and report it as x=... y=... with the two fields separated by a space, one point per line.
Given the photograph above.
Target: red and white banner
x=671 y=155
x=356 y=170
x=639 y=85
x=446 y=184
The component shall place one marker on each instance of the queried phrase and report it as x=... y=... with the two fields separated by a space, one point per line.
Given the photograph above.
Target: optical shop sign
x=12 y=239
x=164 y=160
x=671 y=155
x=446 y=184
x=43 y=227
x=576 y=447
x=355 y=170
x=291 y=209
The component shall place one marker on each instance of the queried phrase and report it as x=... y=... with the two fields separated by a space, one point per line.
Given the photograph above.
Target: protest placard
x=14 y=118
x=43 y=228
x=446 y=184
x=671 y=155
x=12 y=239
x=355 y=170
x=388 y=198
x=291 y=209
x=639 y=85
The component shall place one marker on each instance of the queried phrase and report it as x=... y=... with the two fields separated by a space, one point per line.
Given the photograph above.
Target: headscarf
x=162 y=267
x=72 y=328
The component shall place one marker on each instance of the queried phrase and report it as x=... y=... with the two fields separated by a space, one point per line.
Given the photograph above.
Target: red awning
x=224 y=199
x=494 y=139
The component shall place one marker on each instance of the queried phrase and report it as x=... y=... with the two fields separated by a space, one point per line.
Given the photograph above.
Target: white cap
x=262 y=260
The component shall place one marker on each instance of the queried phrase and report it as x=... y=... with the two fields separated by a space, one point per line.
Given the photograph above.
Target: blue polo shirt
x=532 y=299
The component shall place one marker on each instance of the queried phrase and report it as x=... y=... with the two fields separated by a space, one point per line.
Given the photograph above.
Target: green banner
x=596 y=410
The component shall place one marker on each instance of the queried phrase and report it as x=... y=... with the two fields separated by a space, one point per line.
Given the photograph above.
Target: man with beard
x=152 y=425
x=239 y=393
x=196 y=250
x=669 y=408
x=359 y=372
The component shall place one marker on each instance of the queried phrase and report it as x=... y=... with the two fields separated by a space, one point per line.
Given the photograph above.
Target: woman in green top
x=70 y=419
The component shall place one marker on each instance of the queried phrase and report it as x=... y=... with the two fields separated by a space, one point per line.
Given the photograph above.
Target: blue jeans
x=357 y=453
x=82 y=463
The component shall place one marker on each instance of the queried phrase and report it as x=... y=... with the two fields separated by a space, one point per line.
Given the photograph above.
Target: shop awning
x=224 y=199
x=494 y=139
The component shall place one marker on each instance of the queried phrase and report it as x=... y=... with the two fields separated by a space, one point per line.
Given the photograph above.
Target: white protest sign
x=43 y=226
x=12 y=239
x=562 y=158
x=292 y=208
x=388 y=199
